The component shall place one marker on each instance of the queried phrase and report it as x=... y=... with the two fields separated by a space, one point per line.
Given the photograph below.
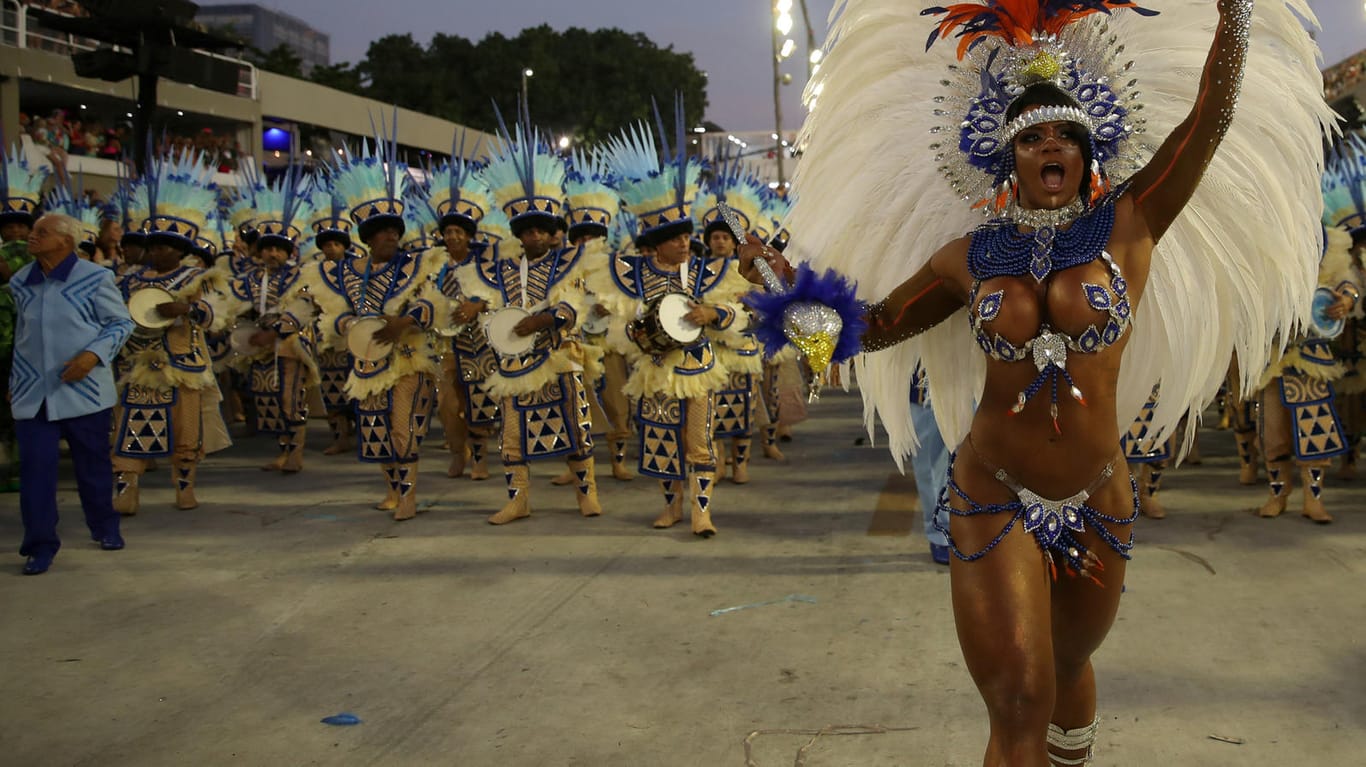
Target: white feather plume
x=1234 y=274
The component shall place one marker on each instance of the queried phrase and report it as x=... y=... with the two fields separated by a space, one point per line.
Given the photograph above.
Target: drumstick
x=526 y=268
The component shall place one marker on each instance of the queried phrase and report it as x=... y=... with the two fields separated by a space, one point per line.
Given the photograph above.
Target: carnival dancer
x=273 y=335
x=740 y=354
x=1297 y=420
x=332 y=240
x=541 y=365
x=675 y=376
x=1028 y=111
x=593 y=208
x=165 y=376
x=469 y=413
x=393 y=293
x=1344 y=196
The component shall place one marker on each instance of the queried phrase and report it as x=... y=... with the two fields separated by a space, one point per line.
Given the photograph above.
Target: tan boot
x=519 y=503
x=1312 y=476
x=1280 y=480
x=619 y=470
x=740 y=450
x=292 y=447
x=341 y=434
x=1247 y=457
x=771 y=444
x=183 y=473
x=587 y=484
x=673 y=504
x=406 y=476
x=567 y=478
x=457 y=466
x=479 y=465
x=701 y=484
x=126 y=493
x=391 y=493
x=1149 y=482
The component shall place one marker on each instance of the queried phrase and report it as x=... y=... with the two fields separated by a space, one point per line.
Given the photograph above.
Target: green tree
x=397 y=70
x=282 y=60
x=343 y=77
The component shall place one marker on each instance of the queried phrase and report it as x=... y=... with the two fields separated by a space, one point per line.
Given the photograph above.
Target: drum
x=498 y=326
x=661 y=328
x=594 y=325
x=360 y=339
x=240 y=340
x=1322 y=325
x=142 y=307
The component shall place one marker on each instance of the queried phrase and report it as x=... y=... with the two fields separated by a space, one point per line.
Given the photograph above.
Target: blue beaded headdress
x=1344 y=186
x=1006 y=46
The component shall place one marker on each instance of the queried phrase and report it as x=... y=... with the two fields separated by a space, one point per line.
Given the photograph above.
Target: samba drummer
x=384 y=304
x=168 y=397
x=332 y=240
x=541 y=366
x=690 y=301
x=469 y=414
x=272 y=336
x=1299 y=425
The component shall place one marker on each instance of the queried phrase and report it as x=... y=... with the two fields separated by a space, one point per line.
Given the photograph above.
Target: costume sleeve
x=112 y=314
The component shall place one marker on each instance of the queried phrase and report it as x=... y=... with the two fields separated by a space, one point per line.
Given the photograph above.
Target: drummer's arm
x=422 y=313
x=562 y=317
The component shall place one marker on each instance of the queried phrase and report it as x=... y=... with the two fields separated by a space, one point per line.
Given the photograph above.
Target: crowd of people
x=62 y=133
x=532 y=301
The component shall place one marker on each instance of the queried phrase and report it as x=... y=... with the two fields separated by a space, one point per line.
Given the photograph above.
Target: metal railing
x=18 y=30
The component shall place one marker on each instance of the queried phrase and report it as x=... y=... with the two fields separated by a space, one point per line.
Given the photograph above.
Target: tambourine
x=1323 y=326
x=142 y=307
x=661 y=327
x=503 y=339
x=360 y=339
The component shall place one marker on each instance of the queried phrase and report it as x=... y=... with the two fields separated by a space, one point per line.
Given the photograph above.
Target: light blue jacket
x=74 y=308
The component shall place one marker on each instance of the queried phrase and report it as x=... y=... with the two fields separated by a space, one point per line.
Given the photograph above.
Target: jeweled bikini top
x=999 y=249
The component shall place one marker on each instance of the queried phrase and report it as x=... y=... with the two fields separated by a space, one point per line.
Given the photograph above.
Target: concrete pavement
x=223 y=635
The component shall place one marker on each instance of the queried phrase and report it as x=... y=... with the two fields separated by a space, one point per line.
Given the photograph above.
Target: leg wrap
x=1080 y=739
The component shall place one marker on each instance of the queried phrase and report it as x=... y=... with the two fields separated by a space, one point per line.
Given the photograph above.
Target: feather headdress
x=738 y=186
x=282 y=210
x=329 y=221
x=590 y=194
x=372 y=183
x=657 y=187
x=180 y=192
x=525 y=176
x=457 y=194
x=65 y=199
x=20 y=185
x=1231 y=274
x=1344 y=186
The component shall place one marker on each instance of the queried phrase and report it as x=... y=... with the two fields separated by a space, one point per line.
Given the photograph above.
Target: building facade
x=265 y=29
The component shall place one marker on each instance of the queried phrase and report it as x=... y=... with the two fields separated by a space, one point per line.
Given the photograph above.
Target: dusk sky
x=728 y=38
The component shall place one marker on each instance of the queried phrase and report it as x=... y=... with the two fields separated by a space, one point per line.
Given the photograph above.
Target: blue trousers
x=931 y=466
x=39 y=454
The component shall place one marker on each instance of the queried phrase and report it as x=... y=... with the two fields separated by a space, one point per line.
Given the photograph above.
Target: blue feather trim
x=829 y=288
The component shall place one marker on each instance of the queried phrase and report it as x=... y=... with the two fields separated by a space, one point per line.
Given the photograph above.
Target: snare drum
x=360 y=339
x=1323 y=326
x=499 y=325
x=662 y=327
x=142 y=307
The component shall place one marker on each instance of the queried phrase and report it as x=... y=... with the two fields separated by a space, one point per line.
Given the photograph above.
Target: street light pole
x=777 y=98
x=526 y=75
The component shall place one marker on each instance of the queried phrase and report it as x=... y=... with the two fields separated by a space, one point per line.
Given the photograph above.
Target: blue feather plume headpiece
x=20 y=185
x=657 y=187
x=372 y=184
x=525 y=176
x=179 y=192
x=1344 y=185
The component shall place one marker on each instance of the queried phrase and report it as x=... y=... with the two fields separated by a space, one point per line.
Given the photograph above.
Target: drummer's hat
x=526 y=177
x=419 y=220
x=372 y=184
x=330 y=223
x=657 y=187
x=180 y=192
x=1344 y=186
x=734 y=183
x=20 y=186
x=125 y=202
x=241 y=212
x=281 y=209
x=457 y=193
x=590 y=195
x=494 y=229
x=66 y=200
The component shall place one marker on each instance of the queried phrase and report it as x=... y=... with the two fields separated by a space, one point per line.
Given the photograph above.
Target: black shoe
x=940 y=554
x=111 y=542
x=37 y=564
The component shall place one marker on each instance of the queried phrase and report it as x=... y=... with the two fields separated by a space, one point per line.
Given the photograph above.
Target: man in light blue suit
x=71 y=321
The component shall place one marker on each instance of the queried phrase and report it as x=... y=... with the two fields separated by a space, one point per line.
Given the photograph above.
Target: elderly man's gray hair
x=66 y=225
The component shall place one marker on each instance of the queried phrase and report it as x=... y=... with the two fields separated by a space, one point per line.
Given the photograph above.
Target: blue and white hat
x=657 y=187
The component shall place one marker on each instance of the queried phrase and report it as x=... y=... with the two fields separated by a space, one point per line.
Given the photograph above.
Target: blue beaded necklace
x=998 y=248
